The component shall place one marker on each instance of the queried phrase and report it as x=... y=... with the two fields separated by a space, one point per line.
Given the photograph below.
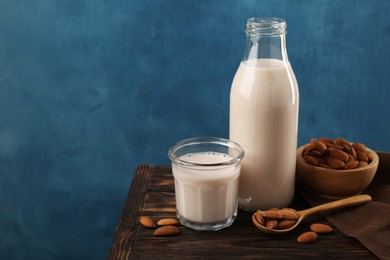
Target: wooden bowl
x=332 y=183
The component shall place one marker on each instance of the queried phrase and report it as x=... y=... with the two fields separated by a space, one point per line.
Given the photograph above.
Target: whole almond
x=369 y=155
x=310 y=147
x=167 y=222
x=307 y=237
x=351 y=165
x=166 y=231
x=271 y=223
x=286 y=223
x=320 y=160
x=147 y=222
x=338 y=154
x=273 y=214
x=361 y=164
x=347 y=148
x=353 y=153
x=336 y=147
x=315 y=153
x=290 y=214
x=313 y=141
x=320 y=228
x=326 y=141
x=259 y=218
x=324 y=165
x=359 y=147
x=342 y=141
x=310 y=160
x=362 y=156
x=335 y=163
x=320 y=146
x=351 y=158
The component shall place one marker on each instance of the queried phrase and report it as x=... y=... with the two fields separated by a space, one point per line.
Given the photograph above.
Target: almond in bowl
x=335 y=169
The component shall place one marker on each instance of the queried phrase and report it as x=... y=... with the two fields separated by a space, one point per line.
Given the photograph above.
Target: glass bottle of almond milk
x=264 y=103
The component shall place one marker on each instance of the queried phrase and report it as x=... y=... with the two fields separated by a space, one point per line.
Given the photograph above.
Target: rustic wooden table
x=152 y=194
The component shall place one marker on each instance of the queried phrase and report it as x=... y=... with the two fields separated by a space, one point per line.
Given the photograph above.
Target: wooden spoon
x=351 y=201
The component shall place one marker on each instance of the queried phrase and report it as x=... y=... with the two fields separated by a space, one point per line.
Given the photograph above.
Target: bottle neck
x=266 y=39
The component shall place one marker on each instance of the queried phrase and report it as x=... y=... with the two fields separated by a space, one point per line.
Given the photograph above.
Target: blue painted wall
x=91 y=88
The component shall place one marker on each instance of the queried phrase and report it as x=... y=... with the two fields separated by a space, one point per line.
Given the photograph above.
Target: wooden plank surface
x=126 y=228
x=152 y=194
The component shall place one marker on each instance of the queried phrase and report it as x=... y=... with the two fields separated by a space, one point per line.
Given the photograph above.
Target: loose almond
x=166 y=231
x=167 y=222
x=307 y=237
x=320 y=228
x=147 y=222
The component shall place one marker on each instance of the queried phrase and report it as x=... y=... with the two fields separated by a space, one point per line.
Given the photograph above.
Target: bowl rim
x=373 y=163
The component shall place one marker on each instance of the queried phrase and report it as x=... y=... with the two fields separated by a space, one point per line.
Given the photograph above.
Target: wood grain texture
x=152 y=194
x=125 y=231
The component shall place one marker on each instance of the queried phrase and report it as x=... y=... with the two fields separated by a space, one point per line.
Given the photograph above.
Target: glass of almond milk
x=206 y=171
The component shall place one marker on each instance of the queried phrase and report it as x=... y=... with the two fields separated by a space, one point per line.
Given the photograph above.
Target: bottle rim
x=266 y=26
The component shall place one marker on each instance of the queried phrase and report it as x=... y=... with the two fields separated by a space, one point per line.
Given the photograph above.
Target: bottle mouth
x=266 y=26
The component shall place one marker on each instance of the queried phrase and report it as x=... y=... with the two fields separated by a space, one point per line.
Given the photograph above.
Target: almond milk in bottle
x=264 y=103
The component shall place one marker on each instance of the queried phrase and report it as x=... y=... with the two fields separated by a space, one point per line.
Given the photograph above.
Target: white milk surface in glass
x=263 y=120
x=206 y=194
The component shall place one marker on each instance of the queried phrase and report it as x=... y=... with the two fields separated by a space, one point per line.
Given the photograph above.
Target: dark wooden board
x=152 y=194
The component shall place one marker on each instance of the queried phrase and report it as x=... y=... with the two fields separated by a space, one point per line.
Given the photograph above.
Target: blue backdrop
x=91 y=88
